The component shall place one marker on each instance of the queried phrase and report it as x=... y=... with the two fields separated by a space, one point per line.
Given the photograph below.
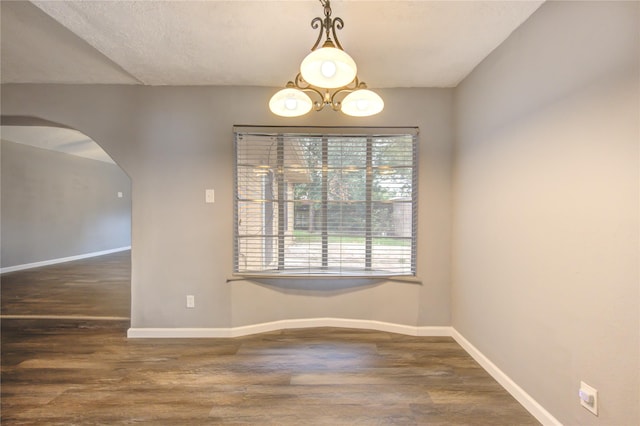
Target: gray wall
x=545 y=272
x=57 y=205
x=174 y=142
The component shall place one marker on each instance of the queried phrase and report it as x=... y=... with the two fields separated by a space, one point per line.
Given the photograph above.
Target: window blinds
x=320 y=202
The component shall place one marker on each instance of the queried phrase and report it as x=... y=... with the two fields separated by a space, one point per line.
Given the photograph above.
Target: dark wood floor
x=61 y=370
x=99 y=286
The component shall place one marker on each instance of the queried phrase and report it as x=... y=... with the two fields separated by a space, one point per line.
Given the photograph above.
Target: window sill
x=360 y=278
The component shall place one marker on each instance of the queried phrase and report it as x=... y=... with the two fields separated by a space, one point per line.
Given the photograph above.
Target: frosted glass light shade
x=290 y=103
x=328 y=67
x=362 y=103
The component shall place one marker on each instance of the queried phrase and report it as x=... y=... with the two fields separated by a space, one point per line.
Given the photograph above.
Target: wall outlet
x=191 y=301
x=588 y=397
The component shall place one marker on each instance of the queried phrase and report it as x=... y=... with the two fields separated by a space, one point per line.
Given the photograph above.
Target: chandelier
x=328 y=74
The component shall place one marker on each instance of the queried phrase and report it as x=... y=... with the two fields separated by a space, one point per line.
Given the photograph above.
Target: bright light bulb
x=290 y=104
x=362 y=104
x=328 y=69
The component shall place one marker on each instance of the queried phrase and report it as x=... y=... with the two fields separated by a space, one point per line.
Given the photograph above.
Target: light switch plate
x=191 y=301
x=209 y=196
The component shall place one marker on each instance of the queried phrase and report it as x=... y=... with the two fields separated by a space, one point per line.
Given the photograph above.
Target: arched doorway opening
x=65 y=224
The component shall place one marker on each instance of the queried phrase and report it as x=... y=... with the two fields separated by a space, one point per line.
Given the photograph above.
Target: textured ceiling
x=258 y=43
x=58 y=139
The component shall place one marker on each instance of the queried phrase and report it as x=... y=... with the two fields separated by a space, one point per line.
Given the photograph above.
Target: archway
x=65 y=202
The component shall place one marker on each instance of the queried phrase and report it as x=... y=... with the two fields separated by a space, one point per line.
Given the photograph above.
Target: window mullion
x=325 y=203
x=281 y=201
x=368 y=206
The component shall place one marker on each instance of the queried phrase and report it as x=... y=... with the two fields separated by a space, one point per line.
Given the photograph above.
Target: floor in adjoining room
x=66 y=360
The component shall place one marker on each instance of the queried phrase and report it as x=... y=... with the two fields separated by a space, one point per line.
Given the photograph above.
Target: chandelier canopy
x=328 y=74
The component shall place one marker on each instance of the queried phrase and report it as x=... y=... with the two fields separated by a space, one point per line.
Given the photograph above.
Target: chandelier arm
x=327 y=25
x=312 y=90
x=315 y=24
x=351 y=87
x=337 y=23
x=318 y=105
x=302 y=85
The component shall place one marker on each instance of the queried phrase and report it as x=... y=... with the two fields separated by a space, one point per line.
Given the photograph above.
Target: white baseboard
x=285 y=325
x=530 y=404
x=61 y=260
